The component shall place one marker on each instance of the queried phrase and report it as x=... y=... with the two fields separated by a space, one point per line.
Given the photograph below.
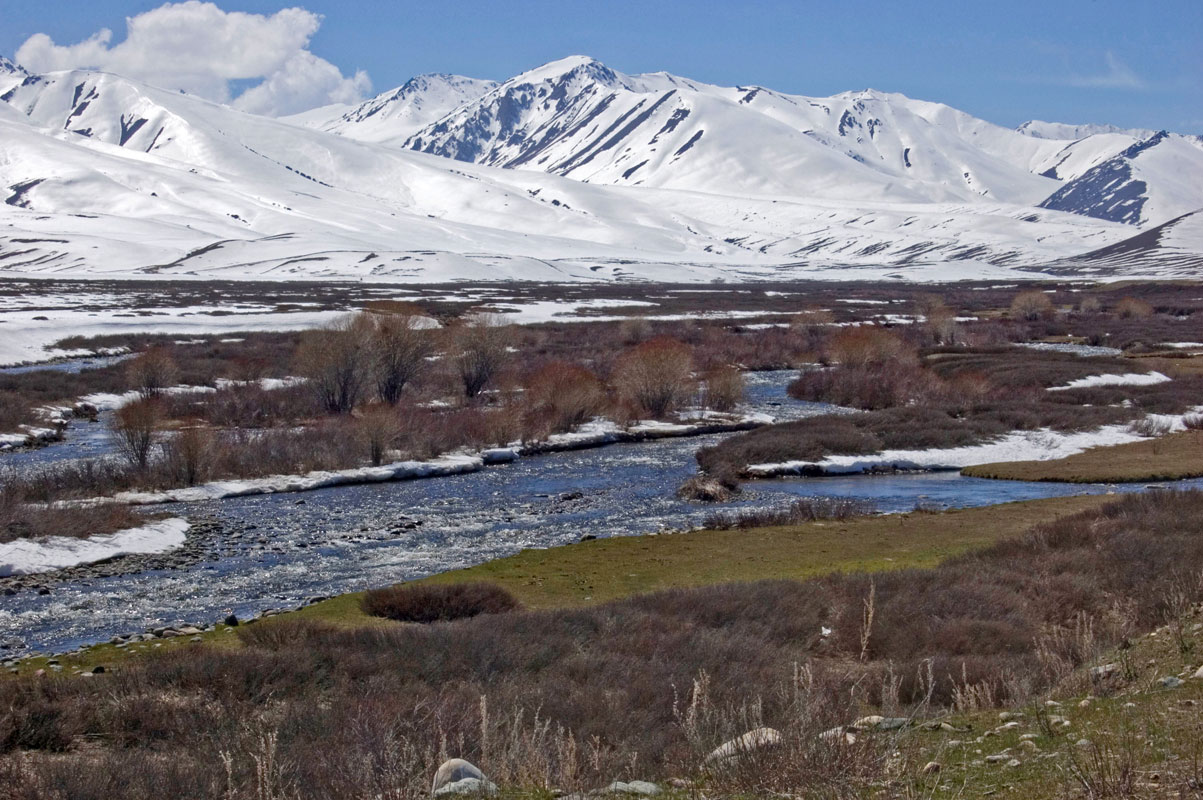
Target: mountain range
x=574 y=171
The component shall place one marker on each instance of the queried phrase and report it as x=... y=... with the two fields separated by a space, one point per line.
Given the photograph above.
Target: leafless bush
x=152 y=372
x=723 y=388
x=480 y=344
x=189 y=455
x=1133 y=308
x=435 y=603
x=868 y=346
x=337 y=361
x=400 y=343
x=656 y=376
x=1031 y=305
x=1151 y=427
x=564 y=394
x=378 y=426
x=136 y=425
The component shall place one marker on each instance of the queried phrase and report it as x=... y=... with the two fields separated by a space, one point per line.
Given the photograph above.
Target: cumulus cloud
x=199 y=48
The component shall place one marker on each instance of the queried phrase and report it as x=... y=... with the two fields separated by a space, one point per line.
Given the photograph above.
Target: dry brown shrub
x=564 y=394
x=480 y=345
x=337 y=360
x=868 y=345
x=722 y=388
x=152 y=372
x=1133 y=308
x=656 y=376
x=1031 y=305
x=399 y=344
x=137 y=427
x=435 y=603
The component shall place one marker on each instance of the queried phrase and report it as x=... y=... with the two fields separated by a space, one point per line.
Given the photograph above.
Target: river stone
x=1170 y=682
x=752 y=740
x=455 y=771
x=641 y=788
x=467 y=786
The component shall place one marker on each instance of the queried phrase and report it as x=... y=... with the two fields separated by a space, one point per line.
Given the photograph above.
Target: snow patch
x=28 y=556
x=1126 y=379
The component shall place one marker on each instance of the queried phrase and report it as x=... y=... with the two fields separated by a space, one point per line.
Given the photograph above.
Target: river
x=278 y=551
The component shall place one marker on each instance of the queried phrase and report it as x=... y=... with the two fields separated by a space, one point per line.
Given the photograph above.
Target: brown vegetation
x=642 y=688
x=656 y=376
x=433 y=603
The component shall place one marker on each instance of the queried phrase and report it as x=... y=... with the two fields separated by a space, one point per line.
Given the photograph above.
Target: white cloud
x=199 y=48
x=1118 y=75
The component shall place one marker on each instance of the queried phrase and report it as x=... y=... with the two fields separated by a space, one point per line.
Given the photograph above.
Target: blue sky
x=1131 y=64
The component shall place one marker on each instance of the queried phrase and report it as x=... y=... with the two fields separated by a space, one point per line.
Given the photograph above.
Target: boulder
x=640 y=788
x=748 y=742
x=457 y=776
x=1198 y=674
x=839 y=734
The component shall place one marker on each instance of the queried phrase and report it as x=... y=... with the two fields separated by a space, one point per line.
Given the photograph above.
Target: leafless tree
x=337 y=361
x=400 y=344
x=136 y=425
x=152 y=371
x=480 y=345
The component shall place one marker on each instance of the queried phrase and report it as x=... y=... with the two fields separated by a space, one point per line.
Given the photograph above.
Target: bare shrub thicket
x=378 y=426
x=189 y=455
x=137 y=427
x=480 y=347
x=656 y=376
x=152 y=372
x=1133 y=308
x=399 y=346
x=337 y=362
x=1031 y=305
x=722 y=387
x=644 y=687
x=437 y=603
x=561 y=396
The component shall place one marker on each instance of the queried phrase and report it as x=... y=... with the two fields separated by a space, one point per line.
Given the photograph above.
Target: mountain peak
x=10 y=66
x=570 y=67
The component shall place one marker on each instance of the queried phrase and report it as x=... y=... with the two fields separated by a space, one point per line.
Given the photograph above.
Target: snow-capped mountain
x=394 y=116
x=569 y=172
x=1060 y=130
x=1150 y=181
x=1171 y=248
x=581 y=119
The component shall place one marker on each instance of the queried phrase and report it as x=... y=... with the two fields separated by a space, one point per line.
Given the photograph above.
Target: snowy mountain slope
x=581 y=119
x=1060 y=130
x=106 y=176
x=394 y=116
x=1149 y=182
x=1172 y=249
